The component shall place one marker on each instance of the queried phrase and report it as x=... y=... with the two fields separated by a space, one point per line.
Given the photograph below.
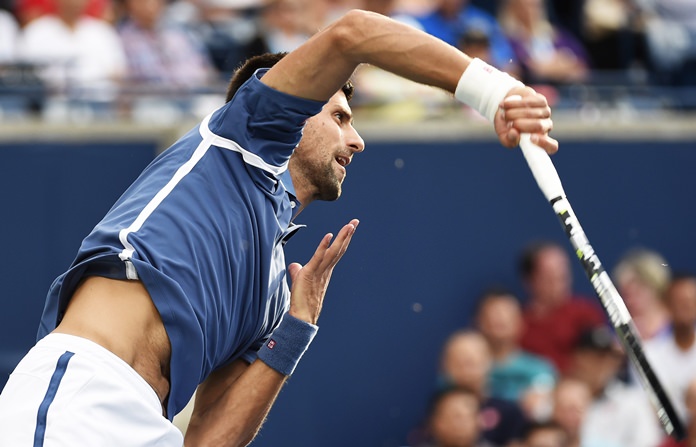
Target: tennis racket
x=550 y=184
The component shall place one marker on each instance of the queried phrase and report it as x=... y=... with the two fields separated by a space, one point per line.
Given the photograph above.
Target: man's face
x=500 y=319
x=467 y=361
x=329 y=141
x=596 y=367
x=681 y=301
x=571 y=401
x=550 y=282
x=455 y=421
x=71 y=8
x=145 y=13
x=547 y=437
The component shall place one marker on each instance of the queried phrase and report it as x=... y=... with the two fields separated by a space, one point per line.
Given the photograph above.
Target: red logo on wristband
x=271 y=344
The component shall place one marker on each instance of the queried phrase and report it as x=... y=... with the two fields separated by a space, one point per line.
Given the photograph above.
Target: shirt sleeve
x=264 y=121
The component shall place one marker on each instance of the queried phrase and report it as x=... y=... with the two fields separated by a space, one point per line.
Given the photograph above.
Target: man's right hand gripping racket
x=550 y=184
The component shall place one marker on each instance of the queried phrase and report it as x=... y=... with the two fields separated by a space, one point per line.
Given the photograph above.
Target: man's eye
x=339 y=115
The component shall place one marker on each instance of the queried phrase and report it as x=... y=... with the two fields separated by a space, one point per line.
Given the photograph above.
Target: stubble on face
x=314 y=165
x=321 y=173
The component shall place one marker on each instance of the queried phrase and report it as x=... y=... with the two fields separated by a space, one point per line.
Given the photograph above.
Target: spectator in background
x=183 y=13
x=553 y=316
x=673 y=353
x=285 y=24
x=546 y=53
x=641 y=277
x=450 y=20
x=545 y=434
x=77 y=51
x=571 y=400
x=414 y=7
x=568 y=14
x=158 y=54
x=465 y=363
x=613 y=34
x=671 y=37
x=453 y=420
x=8 y=5
x=326 y=11
x=9 y=31
x=21 y=91
x=229 y=30
x=393 y=9
x=476 y=43
x=28 y=10
x=515 y=372
x=618 y=415
x=690 y=403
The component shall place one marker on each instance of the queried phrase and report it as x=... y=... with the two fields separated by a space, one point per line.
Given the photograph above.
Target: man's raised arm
x=318 y=69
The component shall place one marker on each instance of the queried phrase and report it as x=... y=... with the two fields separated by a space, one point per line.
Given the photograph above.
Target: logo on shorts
x=271 y=344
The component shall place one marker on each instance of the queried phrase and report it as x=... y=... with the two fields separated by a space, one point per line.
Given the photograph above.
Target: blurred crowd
x=547 y=369
x=158 y=59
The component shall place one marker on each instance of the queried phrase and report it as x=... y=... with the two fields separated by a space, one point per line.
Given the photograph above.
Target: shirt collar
x=286 y=180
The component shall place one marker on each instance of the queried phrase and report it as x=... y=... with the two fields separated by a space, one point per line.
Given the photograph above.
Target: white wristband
x=484 y=87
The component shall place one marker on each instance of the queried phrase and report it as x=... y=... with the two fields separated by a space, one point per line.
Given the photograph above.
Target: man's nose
x=355 y=141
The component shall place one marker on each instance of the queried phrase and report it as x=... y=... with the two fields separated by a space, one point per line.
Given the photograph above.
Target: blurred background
x=92 y=90
x=159 y=61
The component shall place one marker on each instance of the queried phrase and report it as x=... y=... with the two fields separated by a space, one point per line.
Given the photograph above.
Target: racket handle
x=542 y=168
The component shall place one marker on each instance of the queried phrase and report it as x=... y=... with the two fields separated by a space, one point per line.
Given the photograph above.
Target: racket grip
x=542 y=168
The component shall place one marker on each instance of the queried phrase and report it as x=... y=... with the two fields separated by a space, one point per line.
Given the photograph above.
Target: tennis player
x=183 y=284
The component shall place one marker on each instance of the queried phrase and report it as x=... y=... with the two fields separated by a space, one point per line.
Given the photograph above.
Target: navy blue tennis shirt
x=203 y=228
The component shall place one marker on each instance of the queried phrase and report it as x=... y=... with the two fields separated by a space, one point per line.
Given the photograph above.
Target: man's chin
x=330 y=194
x=332 y=198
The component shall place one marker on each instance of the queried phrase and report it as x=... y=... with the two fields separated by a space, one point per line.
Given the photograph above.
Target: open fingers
x=328 y=253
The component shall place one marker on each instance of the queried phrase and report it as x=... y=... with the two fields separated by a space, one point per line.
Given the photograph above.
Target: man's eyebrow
x=346 y=112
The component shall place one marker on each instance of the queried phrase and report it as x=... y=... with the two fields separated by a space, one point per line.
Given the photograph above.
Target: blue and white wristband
x=287 y=344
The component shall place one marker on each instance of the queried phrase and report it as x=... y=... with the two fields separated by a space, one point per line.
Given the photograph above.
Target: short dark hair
x=535 y=426
x=682 y=276
x=247 y=69
x=495 y=292
x=474 y=36
x=441 y=394
x=527 y=262
x=678 y=277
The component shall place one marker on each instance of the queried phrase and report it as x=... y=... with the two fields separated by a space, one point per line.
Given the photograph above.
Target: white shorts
x=69 y=391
